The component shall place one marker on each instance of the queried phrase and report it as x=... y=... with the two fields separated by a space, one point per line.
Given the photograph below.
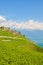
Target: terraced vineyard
x=18 y=50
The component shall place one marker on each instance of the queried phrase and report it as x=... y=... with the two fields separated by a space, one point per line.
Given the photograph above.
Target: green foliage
x=19 y=51
x=1 y=27
x=23 y=35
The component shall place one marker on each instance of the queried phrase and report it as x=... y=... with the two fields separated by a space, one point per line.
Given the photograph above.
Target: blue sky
x=22 y=9
x=29 y=12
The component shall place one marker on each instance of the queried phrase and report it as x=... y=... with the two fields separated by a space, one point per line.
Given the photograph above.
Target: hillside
x=15 y=49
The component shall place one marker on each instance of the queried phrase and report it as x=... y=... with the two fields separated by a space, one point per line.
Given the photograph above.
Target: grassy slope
x=5 y=33
x=19 y=51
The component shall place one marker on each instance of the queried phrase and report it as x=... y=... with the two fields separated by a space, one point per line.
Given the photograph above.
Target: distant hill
x=16 y=49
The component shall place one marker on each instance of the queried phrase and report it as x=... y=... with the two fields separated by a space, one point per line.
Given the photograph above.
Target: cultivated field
x=18 y=50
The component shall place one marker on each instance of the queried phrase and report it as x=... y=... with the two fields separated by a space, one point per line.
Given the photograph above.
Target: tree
x=23 y=35
x=1 y=27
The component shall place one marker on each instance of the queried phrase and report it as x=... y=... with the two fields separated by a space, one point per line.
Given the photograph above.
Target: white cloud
x=2 y=18
x=29 y=25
